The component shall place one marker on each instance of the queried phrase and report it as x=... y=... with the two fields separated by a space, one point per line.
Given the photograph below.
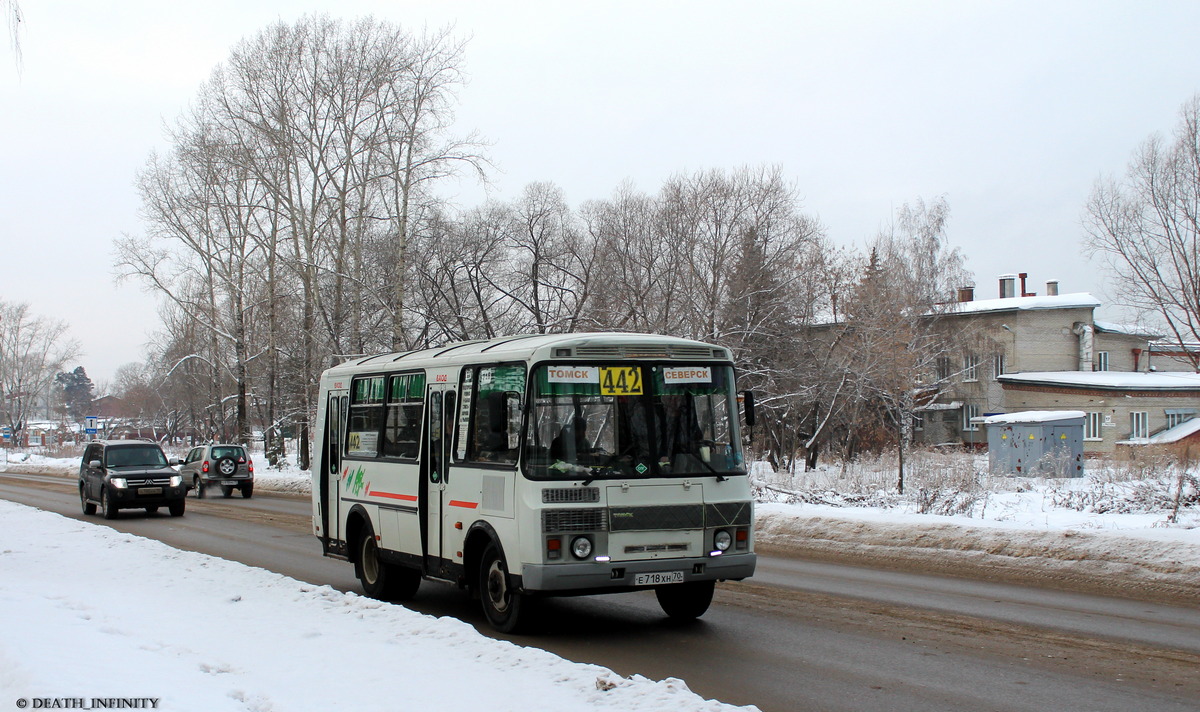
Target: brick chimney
x=1024 y=276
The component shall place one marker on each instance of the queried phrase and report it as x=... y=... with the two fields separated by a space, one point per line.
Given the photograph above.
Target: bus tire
x=685 y=601
x=506 y=609
x=380 y=580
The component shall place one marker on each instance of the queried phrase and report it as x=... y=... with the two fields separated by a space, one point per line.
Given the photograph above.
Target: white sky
x=1011 y=110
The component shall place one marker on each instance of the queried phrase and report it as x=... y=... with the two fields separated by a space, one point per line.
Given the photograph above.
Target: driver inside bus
x=571 y=441
x=678 y=431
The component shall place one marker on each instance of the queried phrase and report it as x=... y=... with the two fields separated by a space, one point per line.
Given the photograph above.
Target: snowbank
x=1139 y=554
x=88 y=612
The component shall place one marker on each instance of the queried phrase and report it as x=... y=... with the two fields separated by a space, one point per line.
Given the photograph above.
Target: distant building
x=1048 y=353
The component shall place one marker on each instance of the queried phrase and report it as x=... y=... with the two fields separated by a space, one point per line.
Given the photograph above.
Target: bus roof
x=593 y=345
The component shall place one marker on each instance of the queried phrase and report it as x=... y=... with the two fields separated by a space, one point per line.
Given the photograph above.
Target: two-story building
x=1047 y=352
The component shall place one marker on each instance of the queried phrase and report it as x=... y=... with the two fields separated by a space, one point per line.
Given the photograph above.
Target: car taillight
x=204 y=468
x=250 y=465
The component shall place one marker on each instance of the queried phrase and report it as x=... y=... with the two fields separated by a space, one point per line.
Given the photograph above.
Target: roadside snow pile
x=1096 y=526
x=263 y=641
x=33 y=462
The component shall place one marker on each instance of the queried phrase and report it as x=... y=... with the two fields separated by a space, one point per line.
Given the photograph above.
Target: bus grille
x=635 y=519
x=724 y=514
x=573 y=520
x=563 y=495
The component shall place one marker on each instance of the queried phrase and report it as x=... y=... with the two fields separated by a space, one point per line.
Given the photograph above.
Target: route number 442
x=620 y=381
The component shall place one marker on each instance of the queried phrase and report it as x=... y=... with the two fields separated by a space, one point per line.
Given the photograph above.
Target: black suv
x=218 y=465
x=129 y=474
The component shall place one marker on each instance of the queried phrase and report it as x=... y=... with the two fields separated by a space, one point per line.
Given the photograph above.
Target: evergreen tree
x=77 y=393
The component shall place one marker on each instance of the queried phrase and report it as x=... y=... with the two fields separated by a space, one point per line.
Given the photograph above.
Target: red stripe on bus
x=464 y=505
x=392 y=495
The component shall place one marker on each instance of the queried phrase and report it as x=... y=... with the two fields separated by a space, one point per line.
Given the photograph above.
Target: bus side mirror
x=748 y=407
x=512 y=409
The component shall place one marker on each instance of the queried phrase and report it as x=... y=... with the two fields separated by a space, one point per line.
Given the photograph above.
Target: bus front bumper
x=597 y=576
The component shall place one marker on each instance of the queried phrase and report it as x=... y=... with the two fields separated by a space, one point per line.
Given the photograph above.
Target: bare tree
x=33 y=350
x=1146 y=229
x=11 y=10
x=895 y=321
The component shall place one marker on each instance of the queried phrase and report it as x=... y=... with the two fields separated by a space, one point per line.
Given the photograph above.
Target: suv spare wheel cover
x=227 y=466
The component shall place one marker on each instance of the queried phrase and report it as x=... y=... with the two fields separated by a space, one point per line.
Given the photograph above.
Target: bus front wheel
x=685 y=601
x=505 y=608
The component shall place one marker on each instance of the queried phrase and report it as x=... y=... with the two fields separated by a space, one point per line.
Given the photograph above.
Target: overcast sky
x=1011 y=110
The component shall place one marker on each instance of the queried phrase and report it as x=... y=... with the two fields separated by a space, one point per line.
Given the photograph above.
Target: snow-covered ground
x=87 y=612
x=64 y=586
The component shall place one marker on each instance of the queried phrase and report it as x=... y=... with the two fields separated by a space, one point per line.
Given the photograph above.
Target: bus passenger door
x=331 y=472
x=439 y=410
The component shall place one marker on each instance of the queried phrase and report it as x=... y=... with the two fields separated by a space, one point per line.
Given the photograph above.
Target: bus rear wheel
x=685 y=601
x=381 y=580
x=506 y=609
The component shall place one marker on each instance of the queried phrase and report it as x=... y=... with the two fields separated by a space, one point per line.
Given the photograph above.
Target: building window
x=1176 y=416
x=1101 y=360
x=918 y=421
x=998 y=366
x=1091 y=427
x=943 y=367
x=969 y=412
x=1139 y=424
x=970 y=367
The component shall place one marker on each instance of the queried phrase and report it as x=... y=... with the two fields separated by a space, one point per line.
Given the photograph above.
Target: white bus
x=529 y=466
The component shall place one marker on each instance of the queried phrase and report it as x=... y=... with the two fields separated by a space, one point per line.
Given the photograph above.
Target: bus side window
x=491 y=429
x=496 y=413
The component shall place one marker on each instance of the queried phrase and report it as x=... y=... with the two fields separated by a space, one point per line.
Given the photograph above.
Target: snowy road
x=801 y=635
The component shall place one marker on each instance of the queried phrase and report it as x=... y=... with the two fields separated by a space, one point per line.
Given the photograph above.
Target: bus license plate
x=657 y=578
x=146 y=491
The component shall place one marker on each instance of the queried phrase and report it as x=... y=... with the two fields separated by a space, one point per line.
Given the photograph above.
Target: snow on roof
x=1109 y=327
x=1166 y=437
x=1033 y=416
x=1115 y=380
x=953 y=405
x=1079 y=300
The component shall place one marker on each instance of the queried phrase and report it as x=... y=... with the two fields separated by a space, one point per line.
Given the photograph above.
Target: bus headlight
x=581 y=547
x=722 y=540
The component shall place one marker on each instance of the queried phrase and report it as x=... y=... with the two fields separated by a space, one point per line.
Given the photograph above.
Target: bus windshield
x=599 y=421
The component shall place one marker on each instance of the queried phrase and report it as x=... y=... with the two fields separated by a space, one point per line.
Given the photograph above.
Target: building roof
x=1033 y=416
x=1079 y=300
x=1108 y=327
x=1109 y=380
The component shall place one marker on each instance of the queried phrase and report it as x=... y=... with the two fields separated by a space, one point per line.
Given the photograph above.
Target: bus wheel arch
x=356 y=521
x=479 y=535
x=379 y=579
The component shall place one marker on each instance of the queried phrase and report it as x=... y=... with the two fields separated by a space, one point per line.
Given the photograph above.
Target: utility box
x=1036 y=443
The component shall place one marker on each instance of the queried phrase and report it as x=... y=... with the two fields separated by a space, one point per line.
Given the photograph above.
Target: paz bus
x=537 y=465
